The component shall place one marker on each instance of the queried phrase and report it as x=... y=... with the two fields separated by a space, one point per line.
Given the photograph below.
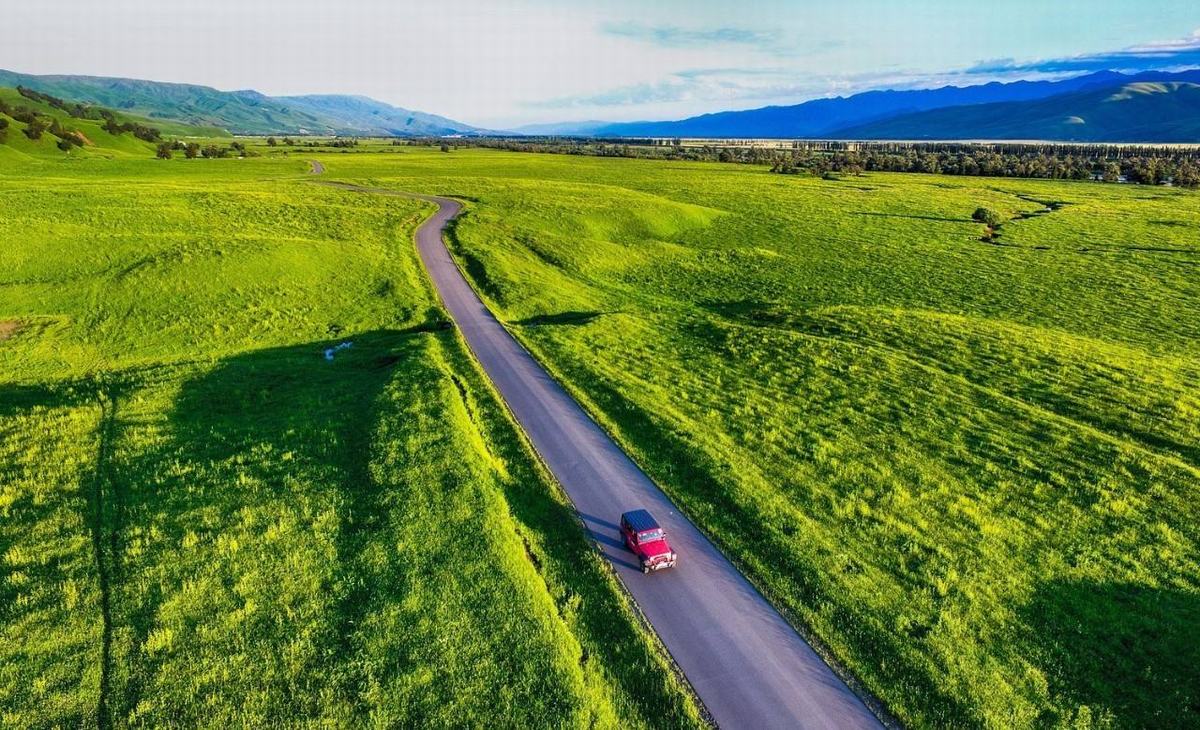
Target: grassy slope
x=202 y=106
x=203 y=521
x=102 y=144
x=972 y=470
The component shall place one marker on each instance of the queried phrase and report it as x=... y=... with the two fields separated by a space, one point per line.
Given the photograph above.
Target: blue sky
x=506 y=62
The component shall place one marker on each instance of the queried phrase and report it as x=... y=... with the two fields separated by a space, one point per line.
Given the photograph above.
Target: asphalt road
x=748 y=666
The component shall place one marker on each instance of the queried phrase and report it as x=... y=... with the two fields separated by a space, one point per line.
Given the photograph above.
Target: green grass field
x=205 y=522
x=972 y=470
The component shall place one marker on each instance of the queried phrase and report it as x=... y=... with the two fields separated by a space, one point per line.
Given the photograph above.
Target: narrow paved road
x=749 y=667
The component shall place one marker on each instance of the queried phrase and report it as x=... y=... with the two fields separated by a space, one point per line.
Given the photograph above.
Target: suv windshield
x=650 y=535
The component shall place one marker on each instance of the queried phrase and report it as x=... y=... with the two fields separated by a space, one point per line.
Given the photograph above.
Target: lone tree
x=445 y=148
x=166 y=150
x=192 y=151
x=989 y=218
x=271 y=142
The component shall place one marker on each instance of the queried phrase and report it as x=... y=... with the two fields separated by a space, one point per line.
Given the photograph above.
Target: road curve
x=747 y=664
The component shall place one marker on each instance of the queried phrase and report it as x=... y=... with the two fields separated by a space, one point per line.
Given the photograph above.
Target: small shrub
x=988 y=217
x=35 y=129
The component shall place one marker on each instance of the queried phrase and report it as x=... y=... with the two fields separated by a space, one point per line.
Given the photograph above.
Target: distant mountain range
x=1154 y=106
x=243 y=112
x=1145 y=111
x=1085 y=108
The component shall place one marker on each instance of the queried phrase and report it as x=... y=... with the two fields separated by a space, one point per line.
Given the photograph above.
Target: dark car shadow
x=593 y=520
x=604 y=538
x=626 y=563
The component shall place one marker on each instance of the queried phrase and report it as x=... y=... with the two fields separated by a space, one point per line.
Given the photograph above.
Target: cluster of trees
x=112 y=124
x=1180 y=167
x=337 y=142
x=1108 y=163
x=36 y=124
x=77 y=111
x=192 y=150
x=141 y=131
x=989 y=218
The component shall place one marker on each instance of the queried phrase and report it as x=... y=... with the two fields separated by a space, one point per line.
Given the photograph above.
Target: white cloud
x=503 y=62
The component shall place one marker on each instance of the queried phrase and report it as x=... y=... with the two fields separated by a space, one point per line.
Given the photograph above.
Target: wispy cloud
x=740 y=87
x=726 y=84
x=671 y=36
x=1148 y=57
x=784 y=81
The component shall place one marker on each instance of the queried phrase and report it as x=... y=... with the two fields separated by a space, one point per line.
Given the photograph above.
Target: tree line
x=1178 y=167
x=192 y=150
x=112 y=124
x=1149 y=165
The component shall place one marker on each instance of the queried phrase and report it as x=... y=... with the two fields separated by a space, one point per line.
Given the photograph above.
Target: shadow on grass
x=282 y=425
x=747 y=311
x=559 y=318
x=101 y=497
x=16 y=400
x=272 y=448
x=1128 y=649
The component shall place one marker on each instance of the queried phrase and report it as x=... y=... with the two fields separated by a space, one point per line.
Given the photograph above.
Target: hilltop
x=246 y=111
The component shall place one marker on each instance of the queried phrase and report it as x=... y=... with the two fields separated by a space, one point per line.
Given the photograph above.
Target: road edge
x=876 y=707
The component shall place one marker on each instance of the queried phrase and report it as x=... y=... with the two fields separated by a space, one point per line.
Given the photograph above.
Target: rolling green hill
x=242 y=112
x=72 y=129
x=1136 y=112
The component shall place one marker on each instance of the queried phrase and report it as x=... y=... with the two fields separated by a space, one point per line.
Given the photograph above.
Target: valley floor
x=970 y=469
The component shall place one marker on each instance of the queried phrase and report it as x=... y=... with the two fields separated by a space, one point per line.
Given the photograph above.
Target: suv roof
x=640 y=520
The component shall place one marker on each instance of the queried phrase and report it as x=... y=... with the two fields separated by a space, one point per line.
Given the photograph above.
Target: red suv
x=647 y=540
